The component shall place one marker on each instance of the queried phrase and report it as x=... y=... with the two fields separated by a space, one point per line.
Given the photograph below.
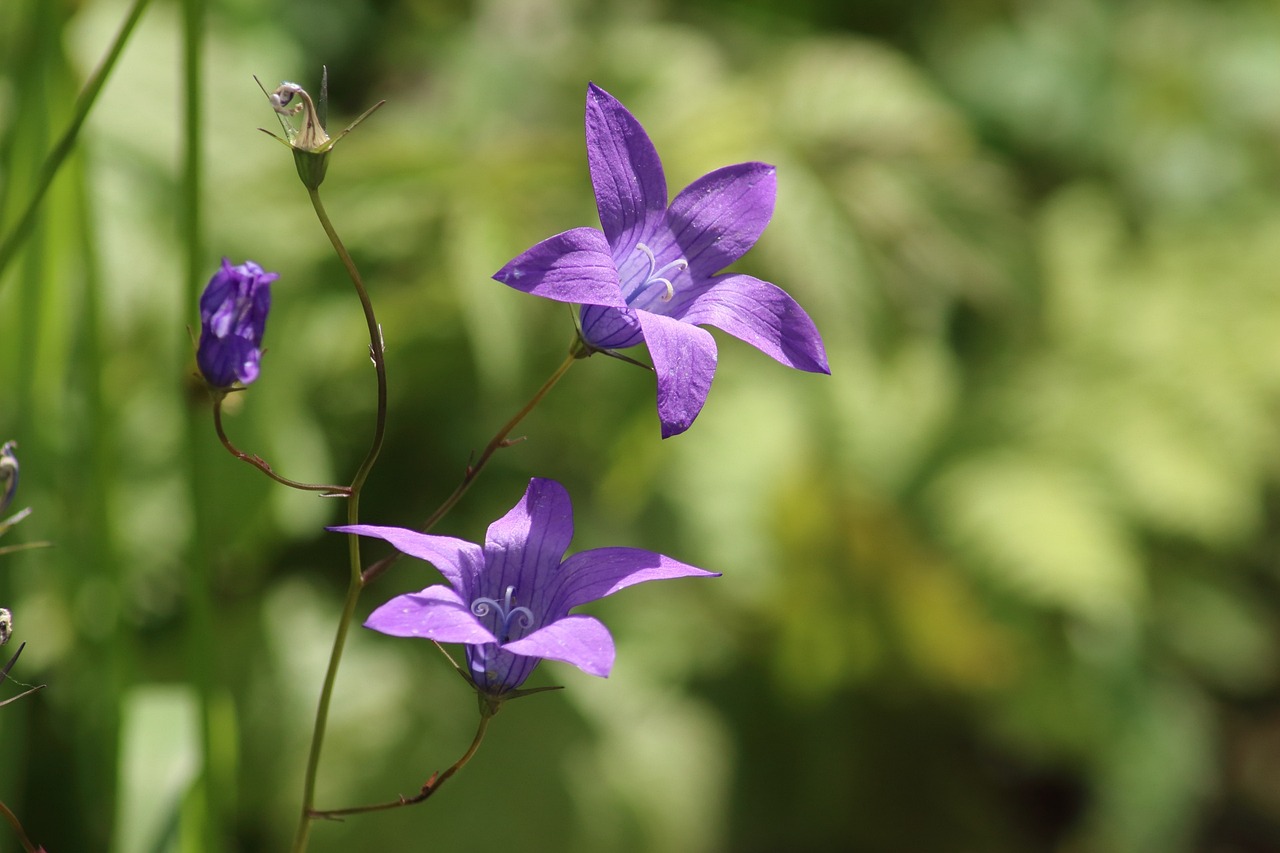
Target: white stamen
x=505 y=610
x=656 y=276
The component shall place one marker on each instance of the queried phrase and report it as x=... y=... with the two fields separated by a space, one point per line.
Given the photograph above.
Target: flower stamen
x=657 y=276
x=508 y=613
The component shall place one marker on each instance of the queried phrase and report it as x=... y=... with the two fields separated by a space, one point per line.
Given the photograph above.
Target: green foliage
x=1005 y=581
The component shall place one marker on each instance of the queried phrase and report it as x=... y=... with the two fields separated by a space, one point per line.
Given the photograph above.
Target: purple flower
x=233 y=316
x=509 y=601
x=651 y=275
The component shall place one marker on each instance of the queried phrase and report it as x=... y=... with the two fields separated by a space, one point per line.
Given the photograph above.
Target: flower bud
x=8 y=473
x=233 y=317
x=311 y=142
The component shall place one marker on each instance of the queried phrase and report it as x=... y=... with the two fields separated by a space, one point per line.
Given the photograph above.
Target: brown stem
x=261 y=465
x=428 y=788
x=499 y=441
x=17 y=828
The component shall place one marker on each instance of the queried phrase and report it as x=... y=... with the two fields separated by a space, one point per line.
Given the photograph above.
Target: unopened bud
x=310 y=142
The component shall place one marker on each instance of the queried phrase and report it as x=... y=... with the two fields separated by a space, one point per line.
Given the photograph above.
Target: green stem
x=326 y=691
x=52 y=163
x=375 y=342
x=202 y=647
x=356 y=581
x=498 y=441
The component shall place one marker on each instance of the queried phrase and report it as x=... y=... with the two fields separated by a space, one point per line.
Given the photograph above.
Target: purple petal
x=573 y=266
x=626 y=173
x=458 y=560
x=497 y=670
x=609 y=328
x=718 y=217
x=523 y=548
x=436 y=613
x=591 y=575
x=684 y=357
x=763 y=315
x=222 y=361
x=580 y=640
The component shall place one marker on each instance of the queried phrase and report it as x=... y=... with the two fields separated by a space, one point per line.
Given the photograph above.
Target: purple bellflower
x=509 y=601
x=651 y=275
x=233 y=317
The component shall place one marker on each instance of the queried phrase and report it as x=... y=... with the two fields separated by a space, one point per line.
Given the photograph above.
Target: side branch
x=428 y=788
x=499 y=441
x=259 y=463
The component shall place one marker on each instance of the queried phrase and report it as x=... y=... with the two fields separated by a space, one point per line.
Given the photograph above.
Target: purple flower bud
x=233 y=316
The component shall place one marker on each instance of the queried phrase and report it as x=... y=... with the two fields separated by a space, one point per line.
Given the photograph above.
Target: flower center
x=509 y=614
x=658 y=275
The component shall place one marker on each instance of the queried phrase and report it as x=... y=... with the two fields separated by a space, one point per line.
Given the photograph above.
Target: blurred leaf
x=1037 y=527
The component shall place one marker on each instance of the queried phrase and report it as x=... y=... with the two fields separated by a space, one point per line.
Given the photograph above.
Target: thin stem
x=326 y=692
x=261 y=464
x=58 y=155
x=17 y=828
x=375 y=342
x=356 y=581
x=429 y=787
x=498 y=441
x=4 y=673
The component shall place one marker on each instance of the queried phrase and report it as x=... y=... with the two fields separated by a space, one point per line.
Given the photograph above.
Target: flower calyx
x=310 y=142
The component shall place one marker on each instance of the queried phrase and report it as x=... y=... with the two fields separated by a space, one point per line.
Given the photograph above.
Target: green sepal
x=311 y=166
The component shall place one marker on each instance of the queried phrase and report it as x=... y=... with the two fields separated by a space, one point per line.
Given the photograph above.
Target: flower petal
x=718 y=217
x=458 y=560
x=222 y=361
x=496 y=670
x=763 y=315
x=523 y=549
x=436 y=613
x=591 y=575
x=684 y=357
x=609 y=328
x=580 y=640
x=631 y=190
x=573 y=266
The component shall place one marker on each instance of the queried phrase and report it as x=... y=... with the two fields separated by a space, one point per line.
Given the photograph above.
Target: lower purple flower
x=509 y=601
x=233 y=317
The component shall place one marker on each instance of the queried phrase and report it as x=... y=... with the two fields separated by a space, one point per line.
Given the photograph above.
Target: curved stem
x=498 y=441
x=430 y=787
x=375 y=341
x=356 y=580
x=259 y=463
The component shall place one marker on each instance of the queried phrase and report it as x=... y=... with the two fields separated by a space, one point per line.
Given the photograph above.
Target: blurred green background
x=1006 y=581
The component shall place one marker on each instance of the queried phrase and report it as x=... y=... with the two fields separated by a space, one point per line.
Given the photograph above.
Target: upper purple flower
x=510 y=600
x=652 y=274
x=233 y=316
